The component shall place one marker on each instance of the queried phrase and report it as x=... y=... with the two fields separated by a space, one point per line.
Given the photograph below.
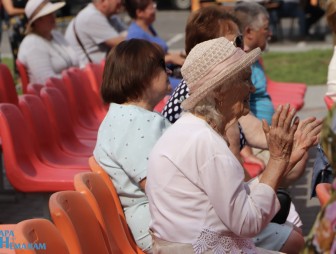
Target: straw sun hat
x=209 y=64
x=39 y=8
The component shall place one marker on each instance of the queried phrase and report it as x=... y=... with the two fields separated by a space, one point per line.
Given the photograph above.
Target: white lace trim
x=223 y=244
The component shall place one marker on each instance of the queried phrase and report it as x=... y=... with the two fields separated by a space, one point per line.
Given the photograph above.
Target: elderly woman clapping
x=198 y=199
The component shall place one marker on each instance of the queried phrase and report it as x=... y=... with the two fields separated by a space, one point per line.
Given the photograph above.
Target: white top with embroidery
x=197 y=195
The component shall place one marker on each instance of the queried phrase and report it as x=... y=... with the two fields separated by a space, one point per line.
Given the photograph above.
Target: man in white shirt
x=95 y=30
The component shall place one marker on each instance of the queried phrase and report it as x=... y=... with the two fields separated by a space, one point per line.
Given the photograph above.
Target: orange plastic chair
x=61 y=120
x=7 y=86
x=77 y=223
x=94 y=189
x=81 y=130
x=323 y=192
x=84 y=101
x=45 y=134
x=24 y=169
x=43 y=234
x=95 y=167
x=329 y=102
x=159 y=107
x=34 y=88
x=94 y=73
x=252 y=168
x=6 y=243
x=22 y=69
x=77 y=113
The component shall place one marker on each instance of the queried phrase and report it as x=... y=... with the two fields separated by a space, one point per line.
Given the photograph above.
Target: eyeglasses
x=238 y=41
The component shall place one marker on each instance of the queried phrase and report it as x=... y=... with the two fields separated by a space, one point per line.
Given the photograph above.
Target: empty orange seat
x=77 y=223
x=42 y=234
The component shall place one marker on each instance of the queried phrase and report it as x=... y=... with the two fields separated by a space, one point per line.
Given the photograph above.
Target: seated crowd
x=179 y=175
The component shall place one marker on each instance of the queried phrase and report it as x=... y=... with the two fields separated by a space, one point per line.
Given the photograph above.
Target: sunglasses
x=238 y=41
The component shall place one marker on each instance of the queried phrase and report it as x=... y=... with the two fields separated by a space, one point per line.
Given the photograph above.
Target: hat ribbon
x=39 y=8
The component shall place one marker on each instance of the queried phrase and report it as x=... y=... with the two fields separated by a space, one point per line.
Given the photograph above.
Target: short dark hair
x=206 y=24
x=132 y=6
x=129 y=69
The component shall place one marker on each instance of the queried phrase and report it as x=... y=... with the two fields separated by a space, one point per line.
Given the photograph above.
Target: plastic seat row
x=50 y=136
x=86 y=220
x=89 y=218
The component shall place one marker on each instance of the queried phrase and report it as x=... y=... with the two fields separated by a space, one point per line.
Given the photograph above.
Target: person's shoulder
x=135 y=32
x=32 y=40
x=137 y=116
x=56 y=33
x=90 y=11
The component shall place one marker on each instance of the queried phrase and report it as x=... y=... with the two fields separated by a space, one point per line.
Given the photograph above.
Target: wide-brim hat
x=209 y=64
x=38 y=8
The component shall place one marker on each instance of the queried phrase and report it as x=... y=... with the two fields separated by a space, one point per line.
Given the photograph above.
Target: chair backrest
x=95 y=72
x=60 y=118
x=47 y=135
x=88 y=103
x=328 y=101
x=7 y=86
x=24 y=168
x=69 y=99
x=22 y=69
x=95 y=167
x=37 y=118
x=16 y=141
x=96 y=192
x=77 y=223
x=42 y=235
x=34 y=88
x=69 y=103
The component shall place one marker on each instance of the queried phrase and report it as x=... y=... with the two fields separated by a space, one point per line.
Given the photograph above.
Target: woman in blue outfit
x=143 y=14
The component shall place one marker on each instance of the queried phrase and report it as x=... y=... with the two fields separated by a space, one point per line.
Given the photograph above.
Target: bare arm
x=253 y=131
x=174 y=58
x=233 y=134
x=10 y=9
x=114 y=41
x=142 y=184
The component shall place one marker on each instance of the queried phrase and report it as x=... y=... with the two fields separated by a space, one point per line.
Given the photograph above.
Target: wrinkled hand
x=306 y=136
x=281 y=133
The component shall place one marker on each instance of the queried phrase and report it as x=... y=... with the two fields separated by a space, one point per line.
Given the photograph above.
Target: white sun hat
x=39 y=8
x=210 y=64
